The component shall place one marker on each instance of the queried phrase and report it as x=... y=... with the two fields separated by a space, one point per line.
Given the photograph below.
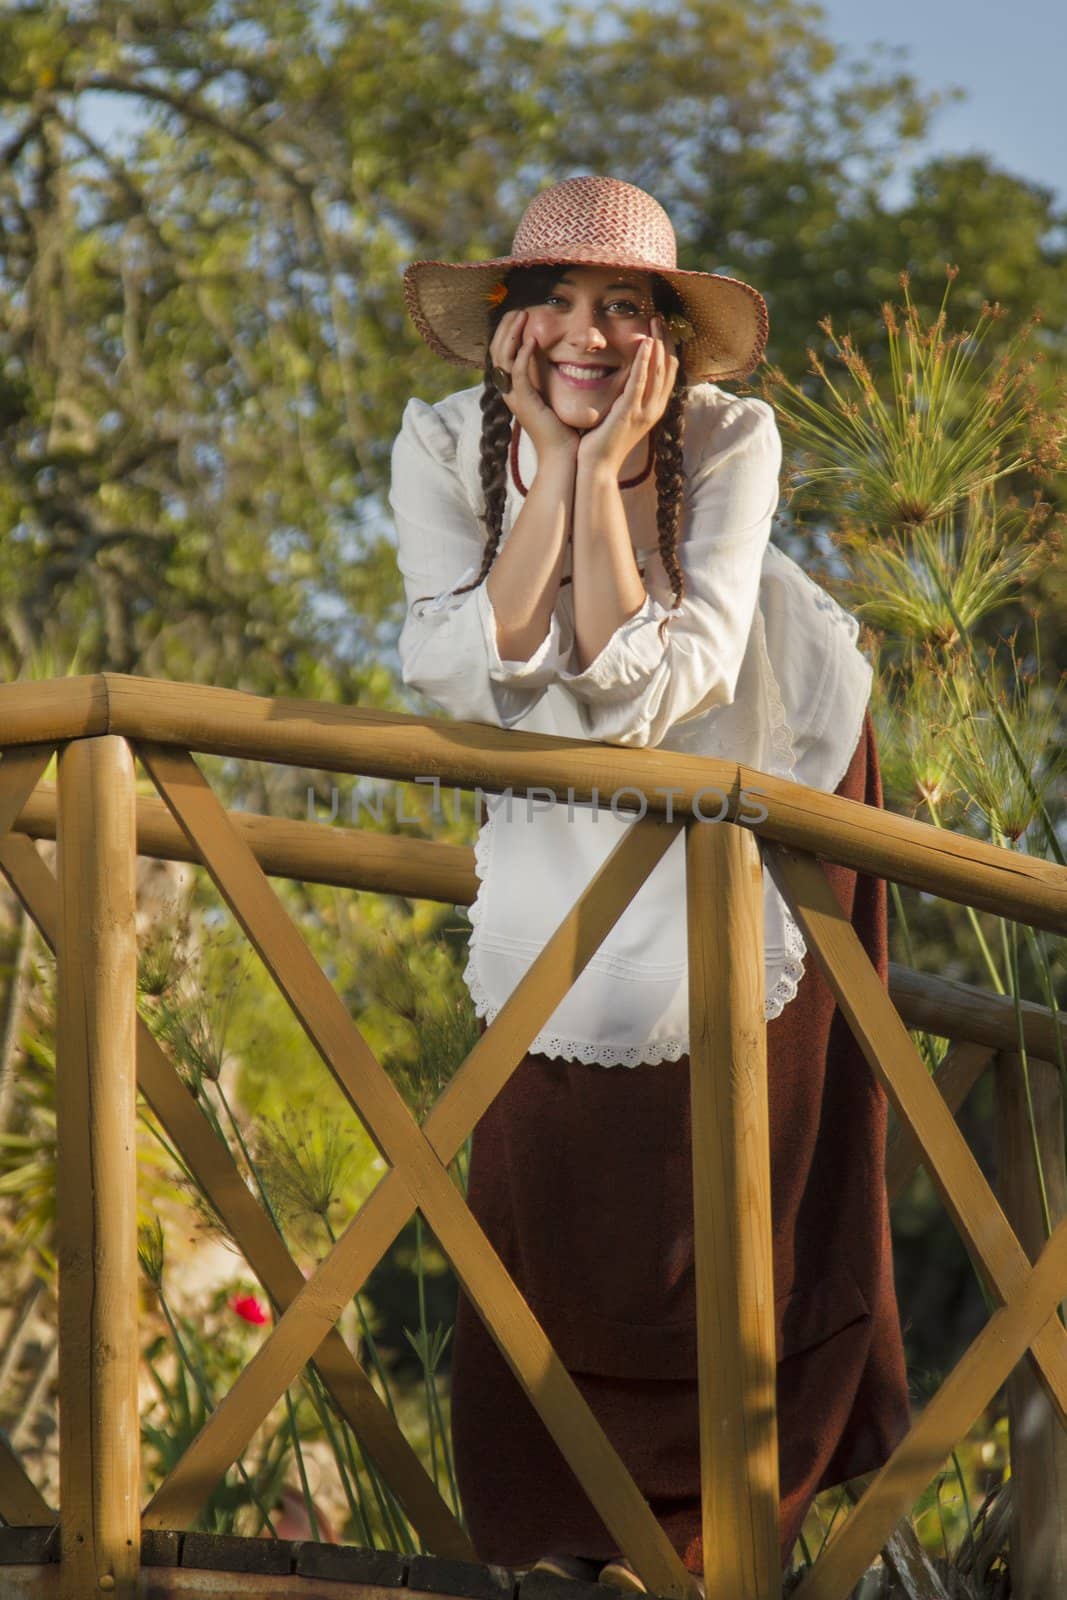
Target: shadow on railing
x=105 y=1054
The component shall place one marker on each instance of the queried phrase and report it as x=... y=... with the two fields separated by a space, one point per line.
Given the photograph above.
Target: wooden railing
x=100 y=724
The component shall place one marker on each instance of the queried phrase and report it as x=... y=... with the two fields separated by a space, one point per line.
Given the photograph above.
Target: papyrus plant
x=924 y=462
x=918 y=475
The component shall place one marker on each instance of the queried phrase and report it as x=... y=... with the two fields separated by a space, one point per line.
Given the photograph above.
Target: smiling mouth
x=581 y=377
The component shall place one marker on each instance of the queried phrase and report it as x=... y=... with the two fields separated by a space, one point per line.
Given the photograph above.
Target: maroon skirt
x=581 y=1177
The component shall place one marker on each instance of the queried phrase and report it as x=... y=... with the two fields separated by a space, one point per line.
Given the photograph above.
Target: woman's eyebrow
x=633 y=287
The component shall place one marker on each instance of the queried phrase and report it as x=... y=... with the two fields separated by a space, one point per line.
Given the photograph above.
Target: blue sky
x=1011 y=59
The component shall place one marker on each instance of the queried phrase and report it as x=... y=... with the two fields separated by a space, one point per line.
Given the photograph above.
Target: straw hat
x=599 y=222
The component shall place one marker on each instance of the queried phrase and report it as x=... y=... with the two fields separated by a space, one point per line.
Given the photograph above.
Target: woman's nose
x=588 y=334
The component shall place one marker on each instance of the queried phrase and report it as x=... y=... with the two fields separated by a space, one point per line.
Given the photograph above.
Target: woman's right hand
x=514 y=347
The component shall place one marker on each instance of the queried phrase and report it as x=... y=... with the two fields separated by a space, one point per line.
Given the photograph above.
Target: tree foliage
x=204 y=348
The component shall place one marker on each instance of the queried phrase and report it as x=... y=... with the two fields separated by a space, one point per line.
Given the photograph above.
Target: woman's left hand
x=639 y=407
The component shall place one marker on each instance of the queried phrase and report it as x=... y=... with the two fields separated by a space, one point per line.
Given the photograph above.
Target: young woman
x=584 y=542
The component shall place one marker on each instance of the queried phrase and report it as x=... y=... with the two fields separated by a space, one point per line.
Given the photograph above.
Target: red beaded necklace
x=624 y=483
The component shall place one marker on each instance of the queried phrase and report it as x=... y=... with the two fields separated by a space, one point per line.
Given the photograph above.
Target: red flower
x=248 y=1307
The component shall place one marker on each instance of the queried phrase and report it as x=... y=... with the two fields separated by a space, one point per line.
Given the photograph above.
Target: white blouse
x=759 y=665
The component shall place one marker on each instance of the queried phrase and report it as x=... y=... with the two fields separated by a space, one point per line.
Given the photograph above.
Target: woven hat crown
x=597 y=221
x=604 y=216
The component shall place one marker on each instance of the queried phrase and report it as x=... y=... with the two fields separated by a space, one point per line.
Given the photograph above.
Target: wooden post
x=96 y=1173
x=1038 y=1442
x=732 y=1214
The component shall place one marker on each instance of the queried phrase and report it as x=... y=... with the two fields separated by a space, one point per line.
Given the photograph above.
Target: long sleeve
x=448 y=645
x=647 y=678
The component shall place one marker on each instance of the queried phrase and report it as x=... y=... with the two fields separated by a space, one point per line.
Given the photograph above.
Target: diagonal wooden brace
x=896 y=1063
x=22 y=1505
x=960 y=1400
x=214 y=1169
x=963 y=1065
x=419 y=1177
x=20 y=773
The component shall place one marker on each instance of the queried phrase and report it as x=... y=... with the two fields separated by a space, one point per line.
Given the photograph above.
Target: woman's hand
x=514 y=349
x=638 y=408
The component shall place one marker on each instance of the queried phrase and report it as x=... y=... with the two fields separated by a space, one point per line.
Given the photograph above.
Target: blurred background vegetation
x=204 y=357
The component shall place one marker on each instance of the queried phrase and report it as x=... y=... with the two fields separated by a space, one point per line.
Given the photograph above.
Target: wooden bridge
x=102 y=1539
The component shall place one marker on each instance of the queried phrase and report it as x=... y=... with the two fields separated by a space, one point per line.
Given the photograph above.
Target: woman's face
x=587 y=329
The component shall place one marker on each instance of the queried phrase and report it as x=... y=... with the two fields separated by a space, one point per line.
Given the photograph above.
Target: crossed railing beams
x=921 y=1110
x=419 y=1159
x=418 y=1176
x=1007 y=1337
x=1027 y=1321
x=211 y=1165
x=739 y=1478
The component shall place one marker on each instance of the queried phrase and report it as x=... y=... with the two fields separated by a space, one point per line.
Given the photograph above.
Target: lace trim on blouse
x=782 y=990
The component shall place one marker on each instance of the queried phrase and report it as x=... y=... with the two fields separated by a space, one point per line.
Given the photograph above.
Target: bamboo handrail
x=424 y=869
x=308 y=852
x=54 y=709
x=954 y=1010
x=470 y=755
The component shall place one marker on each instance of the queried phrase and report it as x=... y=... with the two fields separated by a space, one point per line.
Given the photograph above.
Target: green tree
x=205 y=351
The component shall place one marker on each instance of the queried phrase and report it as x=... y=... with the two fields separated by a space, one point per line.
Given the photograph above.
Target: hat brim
x=447 y=303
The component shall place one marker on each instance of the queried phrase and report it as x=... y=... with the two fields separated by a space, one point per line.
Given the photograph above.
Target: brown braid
x=670 y=484
x=526 y=286
x=493 y=466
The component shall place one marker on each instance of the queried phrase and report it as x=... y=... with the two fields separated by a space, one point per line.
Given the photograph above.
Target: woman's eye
x=627 y=308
